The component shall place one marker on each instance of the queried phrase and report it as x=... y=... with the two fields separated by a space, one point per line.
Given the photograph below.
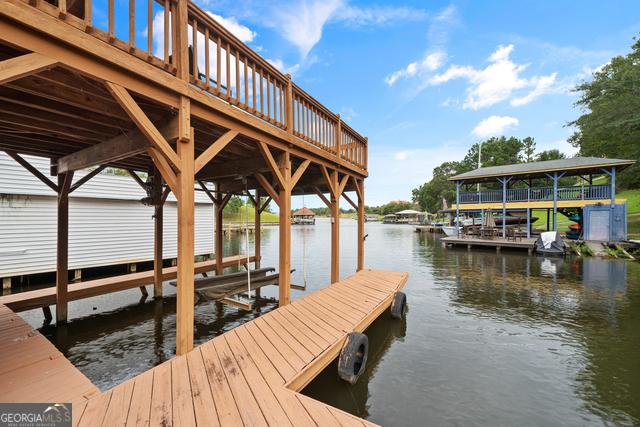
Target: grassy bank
x=633 y=215
x=241 y=216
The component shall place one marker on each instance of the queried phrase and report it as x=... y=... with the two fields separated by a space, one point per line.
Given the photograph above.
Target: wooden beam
x=214 y=149
x=207 y=191
x=322 y=197
x=35 y=172
x=361 y=219
x=86 y=178
x=158 y=212
x=271 y=162
x=351 y=202
x=224 y=200
x=244 y=167
x=165 y=194
x=266 y=185
x=62 y=247
x=266 y=204
x=137 y=179
x=217 y=211
x=298 y=174
x=359 y=191
x=284 y=231
x=24 y=65
x=167 y=172
x=186 y=245
x=121 y=147
x=328 y=180
x=145 y=125
x=342 y=185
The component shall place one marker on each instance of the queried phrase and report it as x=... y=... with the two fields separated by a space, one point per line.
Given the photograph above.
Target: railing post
x=339 y=137
x=366 y=152
x=181 y=47
x=289 y=104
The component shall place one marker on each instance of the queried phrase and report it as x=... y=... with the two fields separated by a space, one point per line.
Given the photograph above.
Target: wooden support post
x=186 y=236
x=284 y=196
x=335 y=238
x=456 y=221
x=217 y=210
x=6 y=283
x=181 y=47
x=62 y=263
x=361 y=216
x=157 y=234
x=257 y=234
x=46 y=311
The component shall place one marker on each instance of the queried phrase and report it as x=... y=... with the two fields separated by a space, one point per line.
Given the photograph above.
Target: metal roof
x=572 y=166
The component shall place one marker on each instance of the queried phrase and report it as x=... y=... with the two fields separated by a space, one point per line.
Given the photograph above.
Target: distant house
x=109 y=225
x=304 y=216
x=409 y=216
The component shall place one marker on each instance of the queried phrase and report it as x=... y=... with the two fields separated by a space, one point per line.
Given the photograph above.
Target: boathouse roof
x=572 y=166
x=304 y=212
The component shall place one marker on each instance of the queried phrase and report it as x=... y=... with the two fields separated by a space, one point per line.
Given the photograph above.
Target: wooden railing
x=573 y=192
x=219 y=63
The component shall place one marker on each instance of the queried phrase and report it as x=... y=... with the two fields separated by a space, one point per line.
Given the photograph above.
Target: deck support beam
x=336 y=188
x=455 y=222
x=186 y=234
x=257 y=233
x=24 y=65
x=62 y=248
x=284 y=197
x=359 y=185
x=157 y=234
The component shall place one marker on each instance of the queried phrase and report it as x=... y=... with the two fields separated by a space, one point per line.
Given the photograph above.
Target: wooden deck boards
x=250 y=375
x=47 y=296
x=32 y=369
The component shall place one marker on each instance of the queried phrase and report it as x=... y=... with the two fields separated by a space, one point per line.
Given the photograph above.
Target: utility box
x=606 y=223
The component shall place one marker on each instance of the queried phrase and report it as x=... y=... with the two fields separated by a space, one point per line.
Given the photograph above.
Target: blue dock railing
x=593 y=192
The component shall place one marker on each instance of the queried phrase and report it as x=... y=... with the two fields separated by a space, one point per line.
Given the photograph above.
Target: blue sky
x=424 y=81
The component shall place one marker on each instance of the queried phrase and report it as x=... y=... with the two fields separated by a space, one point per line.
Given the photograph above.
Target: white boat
x=451 y=230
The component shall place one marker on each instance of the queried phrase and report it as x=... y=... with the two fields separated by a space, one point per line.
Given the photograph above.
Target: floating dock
x=250 y=375
x=527 y=244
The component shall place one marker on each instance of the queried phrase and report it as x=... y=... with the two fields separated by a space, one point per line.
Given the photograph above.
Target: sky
x=426 y=80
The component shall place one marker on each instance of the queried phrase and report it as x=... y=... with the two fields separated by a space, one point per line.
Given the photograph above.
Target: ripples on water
x=489 y=339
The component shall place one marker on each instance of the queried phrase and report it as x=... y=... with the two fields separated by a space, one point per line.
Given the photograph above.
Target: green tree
x=610 y=125
x=234 y=204
x=554 y=154
x=528 y=149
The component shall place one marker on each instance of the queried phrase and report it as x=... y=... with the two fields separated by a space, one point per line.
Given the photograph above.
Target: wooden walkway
x=524 y=243
x=251 y=374
x=33 y=370
x=47 y=296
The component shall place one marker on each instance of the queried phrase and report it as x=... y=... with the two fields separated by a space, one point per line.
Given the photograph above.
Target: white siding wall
x=107 y=223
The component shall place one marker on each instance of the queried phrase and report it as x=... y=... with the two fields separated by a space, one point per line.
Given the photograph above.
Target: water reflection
x=490 y=339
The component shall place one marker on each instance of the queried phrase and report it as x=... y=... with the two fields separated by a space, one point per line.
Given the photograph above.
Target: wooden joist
x=30 y=63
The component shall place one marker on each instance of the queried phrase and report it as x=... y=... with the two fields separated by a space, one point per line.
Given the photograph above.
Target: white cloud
x=494 y=126
x=280 y=65
x=542 y=85
x=302 y=23
x=436 y=55
x=244 y=33
x=430 y=62
x=498 y=81
x=377 y=15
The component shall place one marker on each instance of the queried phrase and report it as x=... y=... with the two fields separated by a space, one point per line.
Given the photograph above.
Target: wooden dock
x=47 y=296
x=250 y=375
x=527 y=244
x=33 y=370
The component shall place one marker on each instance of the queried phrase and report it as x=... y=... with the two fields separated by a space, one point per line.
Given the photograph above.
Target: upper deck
x=137 y=45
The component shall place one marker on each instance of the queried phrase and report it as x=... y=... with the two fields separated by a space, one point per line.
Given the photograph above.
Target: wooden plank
x=181 y=394
x=204 y=405
x=118 y=408
x=296 y=361
x=24 y=65
x=226 y=407
x=140 y=407
x=289 y=339
x=281 y=363
x=95 y=410
x=318 y=412
x=240 y=341
x=321 y=327
x=269 y=404
x=161 y=406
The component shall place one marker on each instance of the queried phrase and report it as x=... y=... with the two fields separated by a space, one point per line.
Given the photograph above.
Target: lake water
x=489 y=339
